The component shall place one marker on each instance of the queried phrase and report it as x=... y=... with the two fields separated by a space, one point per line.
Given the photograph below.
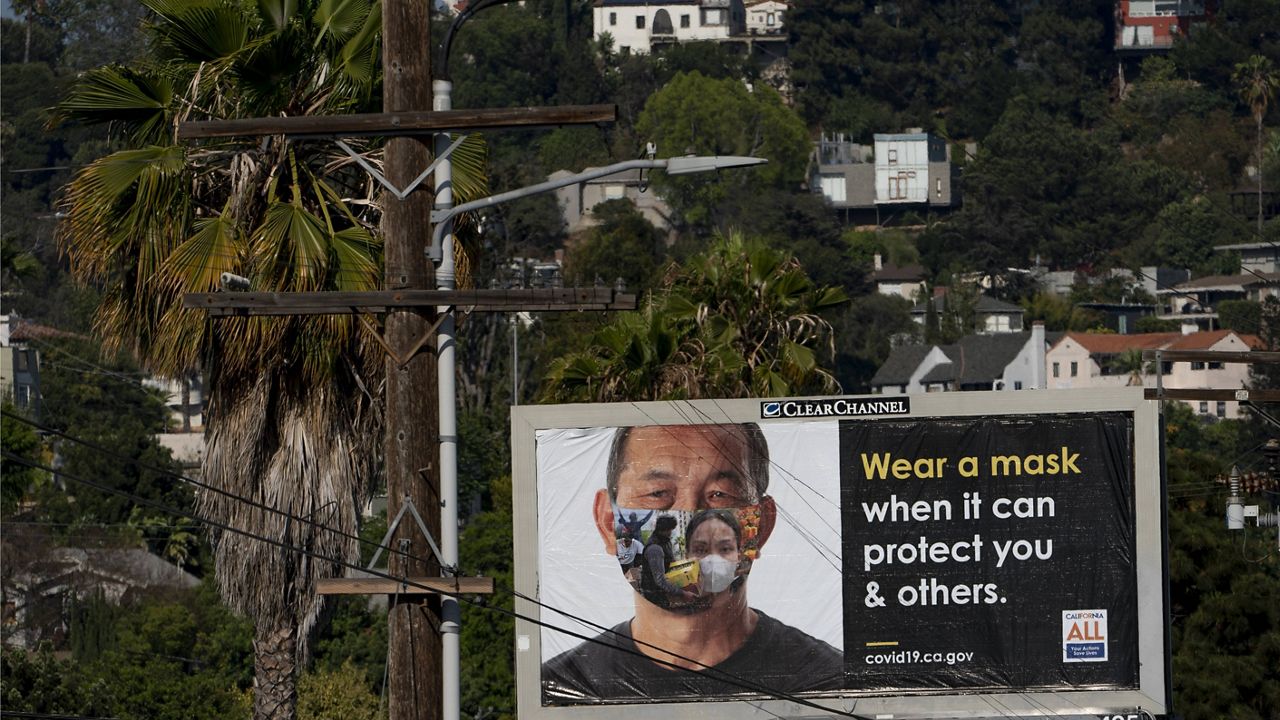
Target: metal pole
x=446 y=344
x=515 y=358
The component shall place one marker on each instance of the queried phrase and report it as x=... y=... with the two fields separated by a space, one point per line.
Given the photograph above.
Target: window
x=613 y=18
x=614 y=192
x=684 y=21
x=1075 y=368
x=639 y=22
x=1017 y=384
x=1204 y=407
x=770 y=20
x=937 y=187
x=997 y=323
x=1222 y=408
x=893 y=157
x=833 y=188
x=1056 y=371
x=713 y=16
x=20 y=361
x=1197 y=366
x=1215 y=366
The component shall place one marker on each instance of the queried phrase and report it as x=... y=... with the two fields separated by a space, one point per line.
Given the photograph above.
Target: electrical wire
x=718 y=675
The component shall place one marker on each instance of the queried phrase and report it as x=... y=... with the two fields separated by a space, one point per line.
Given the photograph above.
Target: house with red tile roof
x=1080 y=360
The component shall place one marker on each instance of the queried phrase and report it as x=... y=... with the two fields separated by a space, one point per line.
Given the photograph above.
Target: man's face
x=685 y=467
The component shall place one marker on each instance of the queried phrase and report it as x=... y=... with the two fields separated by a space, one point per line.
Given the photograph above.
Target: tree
x=1258 y=81
x=16 y=478
x=293 y=424
x=697 y=114
x=623 y=246
x=740 y=320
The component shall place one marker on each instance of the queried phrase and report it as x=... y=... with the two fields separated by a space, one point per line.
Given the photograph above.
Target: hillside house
x=636 y=25
x=906 y=282
x=990 y=315
x=1080 y=360
x=1005 y=361
x=1153 y=25
x=899 y=171
x=764 y=17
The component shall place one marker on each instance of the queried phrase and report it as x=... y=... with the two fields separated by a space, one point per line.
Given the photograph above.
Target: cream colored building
x=1082 y=360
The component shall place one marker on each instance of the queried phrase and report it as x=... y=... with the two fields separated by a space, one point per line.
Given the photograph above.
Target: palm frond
x=112 y=94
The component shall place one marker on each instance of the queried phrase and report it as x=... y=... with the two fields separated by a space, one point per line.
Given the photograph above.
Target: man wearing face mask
x=705 y=640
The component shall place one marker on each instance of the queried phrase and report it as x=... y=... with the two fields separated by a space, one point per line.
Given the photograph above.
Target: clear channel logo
x=839 y=407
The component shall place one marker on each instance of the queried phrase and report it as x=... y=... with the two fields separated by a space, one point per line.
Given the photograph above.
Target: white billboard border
x=1151 y=696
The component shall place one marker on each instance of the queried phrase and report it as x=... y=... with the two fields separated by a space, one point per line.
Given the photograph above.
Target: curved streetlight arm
x=442 y=67
x=674 y=166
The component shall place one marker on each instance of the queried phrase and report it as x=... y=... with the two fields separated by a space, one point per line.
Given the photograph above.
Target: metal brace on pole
x=400 y=194
x=435 y=550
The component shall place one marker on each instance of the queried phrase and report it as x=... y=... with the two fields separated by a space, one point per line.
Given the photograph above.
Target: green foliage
x=697 y=114
x=39 y=683
x=1244 y=316
x=740 y=320
x=624 y=245
x=1152 y=324
x=355 y=640
x=488 y=654
x=17 y=479
x=340 y=694
x=864 y=332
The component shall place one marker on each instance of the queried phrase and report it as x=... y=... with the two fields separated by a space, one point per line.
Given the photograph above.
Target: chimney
x=1039 y=370
x=879 y=262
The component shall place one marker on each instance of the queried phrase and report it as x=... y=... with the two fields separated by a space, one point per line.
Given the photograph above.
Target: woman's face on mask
x=714 y=537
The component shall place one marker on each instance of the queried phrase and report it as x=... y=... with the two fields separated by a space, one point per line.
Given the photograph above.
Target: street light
x=441 y=243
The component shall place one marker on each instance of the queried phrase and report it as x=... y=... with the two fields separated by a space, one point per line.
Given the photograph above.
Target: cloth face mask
x=702 y=552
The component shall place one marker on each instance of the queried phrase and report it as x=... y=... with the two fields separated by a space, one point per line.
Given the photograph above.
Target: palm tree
x=294 y=423
x=1258 y=81
x=739 y=320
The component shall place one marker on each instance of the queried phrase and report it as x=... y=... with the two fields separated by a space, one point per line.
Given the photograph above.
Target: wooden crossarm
x=386 y=586
x=401 y=123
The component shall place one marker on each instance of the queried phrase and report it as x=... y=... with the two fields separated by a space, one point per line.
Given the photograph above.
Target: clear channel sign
x=951 y=555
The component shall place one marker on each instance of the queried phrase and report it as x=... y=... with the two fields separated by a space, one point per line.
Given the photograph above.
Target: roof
x=21 y=330
x=974 y=359
x=941 y=373
x=985 y=304
x=1206 y=339
x=889 y=137
x=901 y=363
x=983 y=358
x=1219 y=282
x=892 y=273
x=1112 y=344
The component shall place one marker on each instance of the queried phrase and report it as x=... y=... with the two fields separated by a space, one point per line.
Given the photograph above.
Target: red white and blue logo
x=1084 y=636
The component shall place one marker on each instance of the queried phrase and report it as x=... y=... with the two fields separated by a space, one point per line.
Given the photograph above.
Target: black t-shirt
x=776 y=658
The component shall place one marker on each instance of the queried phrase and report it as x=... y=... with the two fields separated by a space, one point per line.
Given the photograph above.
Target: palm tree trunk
x=275 y=657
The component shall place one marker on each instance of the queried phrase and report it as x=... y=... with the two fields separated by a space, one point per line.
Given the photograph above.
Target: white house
x=902 y=167
x=764 y=17
x=636 y=26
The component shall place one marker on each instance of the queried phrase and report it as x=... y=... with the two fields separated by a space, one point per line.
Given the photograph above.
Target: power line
x=408 y=582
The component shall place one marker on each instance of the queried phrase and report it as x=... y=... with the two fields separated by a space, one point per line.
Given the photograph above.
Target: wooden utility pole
x=413 y=671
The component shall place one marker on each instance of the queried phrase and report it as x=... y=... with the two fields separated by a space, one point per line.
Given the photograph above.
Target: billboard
x=966 y=555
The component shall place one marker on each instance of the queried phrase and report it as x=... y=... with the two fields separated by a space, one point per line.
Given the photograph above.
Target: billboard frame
x=1151 y=696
